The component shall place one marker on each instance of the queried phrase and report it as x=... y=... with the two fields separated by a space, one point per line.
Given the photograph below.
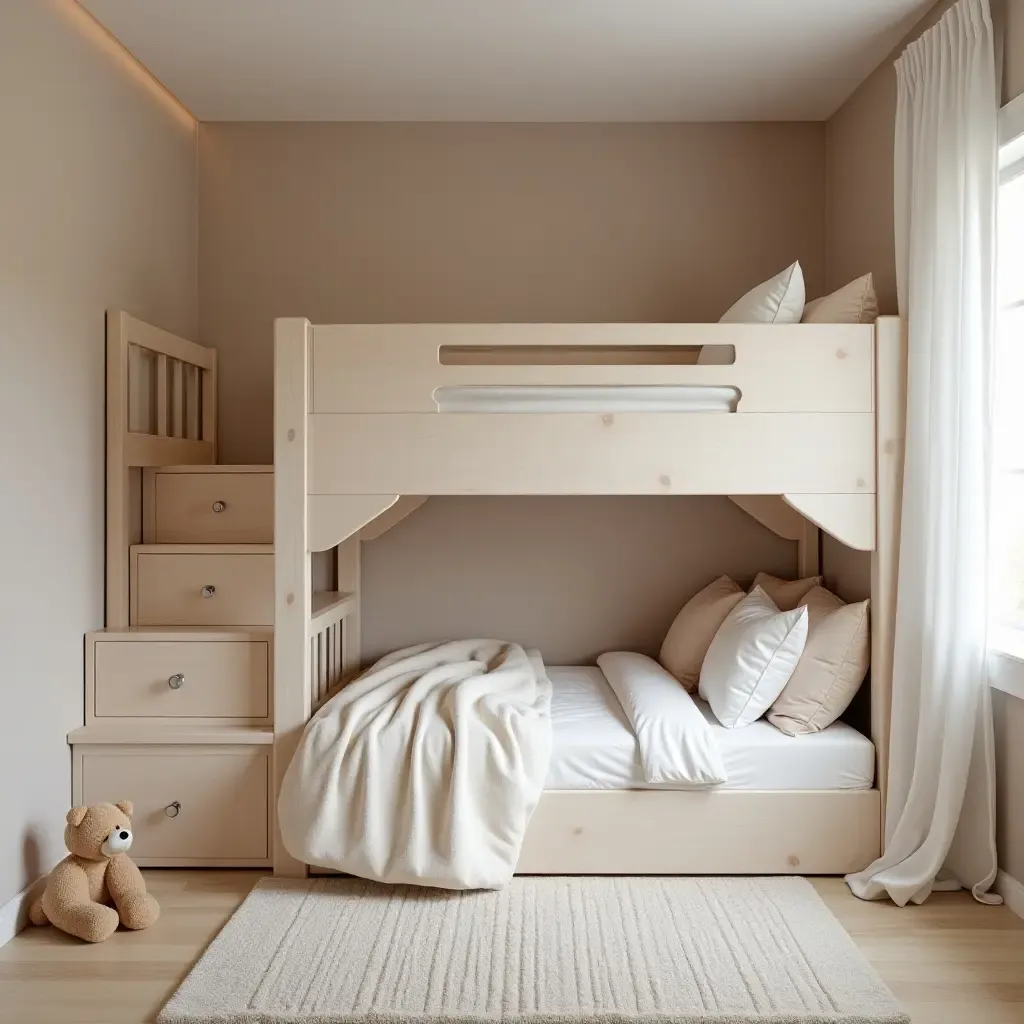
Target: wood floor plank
x=951 y=961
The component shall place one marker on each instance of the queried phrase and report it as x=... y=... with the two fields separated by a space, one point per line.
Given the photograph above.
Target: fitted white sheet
x=594 y=747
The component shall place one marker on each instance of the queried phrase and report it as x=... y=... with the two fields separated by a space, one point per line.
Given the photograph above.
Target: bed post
x=349 y=571
x=293 y=339
x=890 y=413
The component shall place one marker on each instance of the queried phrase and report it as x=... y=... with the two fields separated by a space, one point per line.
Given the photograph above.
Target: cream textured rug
x=541 y=951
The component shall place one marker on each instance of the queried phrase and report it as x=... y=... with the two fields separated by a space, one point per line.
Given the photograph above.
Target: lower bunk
x=788 y=804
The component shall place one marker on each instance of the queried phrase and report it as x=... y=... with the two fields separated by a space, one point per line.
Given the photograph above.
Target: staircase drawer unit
x=209 y=505
x=194 y=804
x=197 y=585
x=220 y=678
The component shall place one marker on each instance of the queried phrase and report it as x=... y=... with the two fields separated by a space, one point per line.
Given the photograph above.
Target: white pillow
x=751 y=659
x=854 y=303
x=778 y=301
x=676 y=743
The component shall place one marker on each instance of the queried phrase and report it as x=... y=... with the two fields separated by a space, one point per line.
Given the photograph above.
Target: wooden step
x=131 y=734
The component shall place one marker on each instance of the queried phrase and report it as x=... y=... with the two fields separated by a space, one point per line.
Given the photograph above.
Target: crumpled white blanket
x=424 y=770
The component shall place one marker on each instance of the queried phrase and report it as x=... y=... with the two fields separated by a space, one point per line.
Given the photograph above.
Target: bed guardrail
x=161 y=394
x=329 y=647
x=400 y=368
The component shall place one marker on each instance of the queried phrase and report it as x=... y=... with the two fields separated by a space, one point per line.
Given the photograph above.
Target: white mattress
x=594 y=747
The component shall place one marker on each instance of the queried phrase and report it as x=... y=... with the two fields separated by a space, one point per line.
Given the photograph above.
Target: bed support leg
x=292 y=562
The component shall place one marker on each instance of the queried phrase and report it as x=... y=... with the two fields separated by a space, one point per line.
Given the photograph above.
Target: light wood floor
x=951 y=961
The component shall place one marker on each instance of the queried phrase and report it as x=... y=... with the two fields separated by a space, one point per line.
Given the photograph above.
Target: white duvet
x=424 y=770
x=427 y=768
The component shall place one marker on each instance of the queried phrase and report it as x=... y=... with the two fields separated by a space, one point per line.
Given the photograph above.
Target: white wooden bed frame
x=815 y=442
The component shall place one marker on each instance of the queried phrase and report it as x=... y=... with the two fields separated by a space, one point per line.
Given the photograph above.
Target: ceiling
x=509 y=60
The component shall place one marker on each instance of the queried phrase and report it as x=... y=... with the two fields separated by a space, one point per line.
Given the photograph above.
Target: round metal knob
x=173 y=810
x=219 y=506
x=209 y=590
x=177 y=681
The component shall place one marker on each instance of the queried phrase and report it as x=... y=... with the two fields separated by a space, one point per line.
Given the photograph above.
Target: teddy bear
x=98 y=872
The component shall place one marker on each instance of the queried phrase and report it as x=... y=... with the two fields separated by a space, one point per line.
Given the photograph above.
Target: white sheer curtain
x=940 y=804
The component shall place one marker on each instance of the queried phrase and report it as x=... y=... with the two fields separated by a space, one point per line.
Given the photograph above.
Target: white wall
x=98 y=208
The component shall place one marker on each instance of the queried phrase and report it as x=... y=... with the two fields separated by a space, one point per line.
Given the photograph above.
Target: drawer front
x=220 y=793
x=183 y=679
x=171 y=590
x=213 y=508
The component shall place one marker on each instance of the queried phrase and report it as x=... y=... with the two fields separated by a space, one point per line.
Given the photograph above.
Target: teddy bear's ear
x=124 y=806
x=76 y=816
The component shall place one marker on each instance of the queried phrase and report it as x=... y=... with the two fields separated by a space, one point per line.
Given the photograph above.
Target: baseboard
x=1012 y=892
x=14 y=913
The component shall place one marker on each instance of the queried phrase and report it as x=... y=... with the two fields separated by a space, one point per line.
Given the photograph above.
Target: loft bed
x=800 y=425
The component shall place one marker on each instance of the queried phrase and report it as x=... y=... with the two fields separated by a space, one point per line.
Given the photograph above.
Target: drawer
x=181 y=679
x=197 y=804
x=175 y=588
x=211 y=508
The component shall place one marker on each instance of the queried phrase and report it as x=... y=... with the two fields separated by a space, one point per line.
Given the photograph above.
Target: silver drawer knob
x=219 y=506
x=173 y=810
x=176 y=682
x=209 y=590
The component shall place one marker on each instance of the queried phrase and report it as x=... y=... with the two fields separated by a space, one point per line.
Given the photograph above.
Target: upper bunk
x=380 y=411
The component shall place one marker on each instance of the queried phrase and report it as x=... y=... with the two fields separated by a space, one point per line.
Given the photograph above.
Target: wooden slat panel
x=778 y=368
x=161 y=395
x=156 y=340
x=193 y=426
x=632 y=453
x=177 y=399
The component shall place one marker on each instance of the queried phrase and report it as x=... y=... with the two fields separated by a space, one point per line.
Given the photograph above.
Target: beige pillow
x=831 y=669
x=854 y=303
x=786 y=594
x=690 y=635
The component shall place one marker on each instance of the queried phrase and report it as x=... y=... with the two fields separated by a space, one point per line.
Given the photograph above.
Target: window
x=1007 y=598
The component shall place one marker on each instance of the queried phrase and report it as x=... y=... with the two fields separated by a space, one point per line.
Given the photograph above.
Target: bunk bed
x=801 y=425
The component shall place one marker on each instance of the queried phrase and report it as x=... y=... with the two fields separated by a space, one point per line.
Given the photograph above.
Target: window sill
x=1006 y=660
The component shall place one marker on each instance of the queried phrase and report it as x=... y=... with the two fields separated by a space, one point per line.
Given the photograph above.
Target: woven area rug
x=541 y=951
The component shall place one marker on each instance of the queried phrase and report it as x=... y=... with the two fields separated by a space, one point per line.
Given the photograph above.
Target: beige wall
x=1013 y=48
x=473 y=222
x=571 y=576
x=98 y=201
x=859 y=160
x=859 y=179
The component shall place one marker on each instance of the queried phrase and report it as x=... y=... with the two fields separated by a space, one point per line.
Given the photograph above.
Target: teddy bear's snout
x=119 y=841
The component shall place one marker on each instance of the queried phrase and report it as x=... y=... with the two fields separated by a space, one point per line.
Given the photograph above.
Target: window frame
x=1006 y=644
